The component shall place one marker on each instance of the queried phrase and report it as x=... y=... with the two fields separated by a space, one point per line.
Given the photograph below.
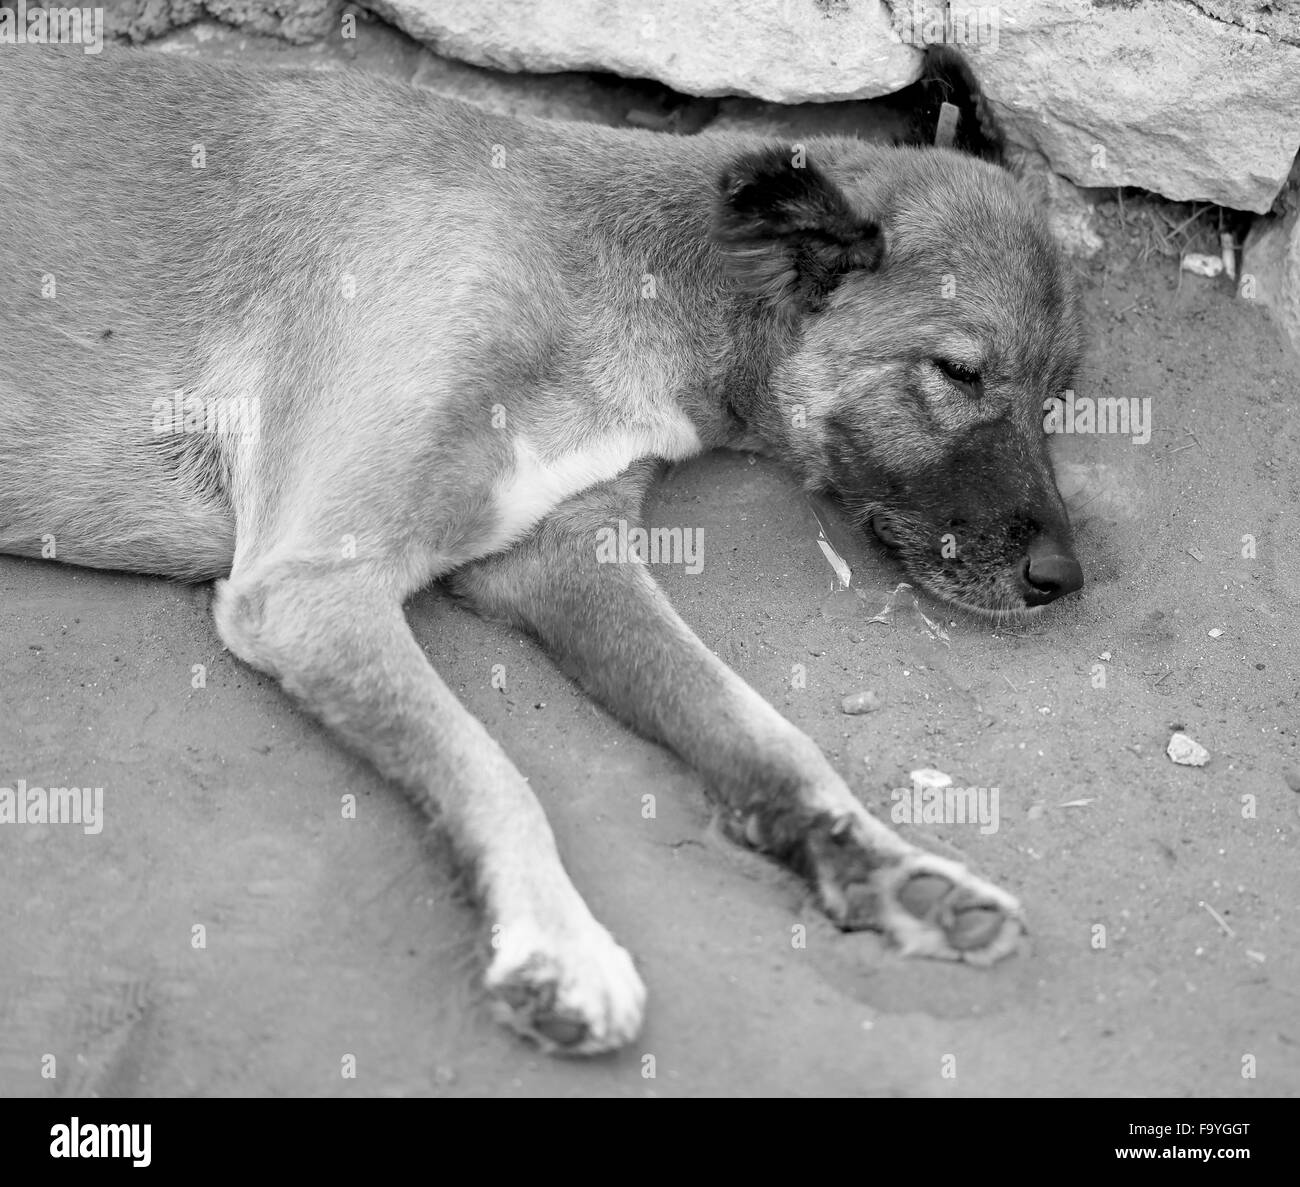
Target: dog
x=325 y=340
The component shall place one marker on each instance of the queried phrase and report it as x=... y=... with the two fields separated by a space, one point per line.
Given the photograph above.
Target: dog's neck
x=657 y=212
x=757 y=339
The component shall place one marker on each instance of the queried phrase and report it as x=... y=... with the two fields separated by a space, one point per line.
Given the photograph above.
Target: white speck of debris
x=1214 y=634
x=1196 y=554
x=1202 y=265
x=1187 y=753
x=927 y=777
x=1228 y=253
x=843 y=574
x=1258 y=957
x=1078 y=803
x=1035 y=812
x=1104 y=655
x=1219 y=919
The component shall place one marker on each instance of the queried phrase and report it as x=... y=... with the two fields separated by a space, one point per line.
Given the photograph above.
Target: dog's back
x=210 y=243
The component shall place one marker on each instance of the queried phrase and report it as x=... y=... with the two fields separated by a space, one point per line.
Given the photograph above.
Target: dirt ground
x=328 y=937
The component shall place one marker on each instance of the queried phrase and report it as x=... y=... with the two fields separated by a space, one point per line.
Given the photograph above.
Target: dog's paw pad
x=921 y=894
x=563 y=1032
x=975 y=928
x=968 y=922
x=928 y=905
x=936 y=907
x=573 y=997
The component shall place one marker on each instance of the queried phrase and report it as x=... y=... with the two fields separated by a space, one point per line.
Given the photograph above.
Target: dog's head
x=926 y=315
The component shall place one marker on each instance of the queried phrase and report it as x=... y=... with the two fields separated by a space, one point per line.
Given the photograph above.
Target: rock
x=1159 y=95
x=1270 y=262
x=1202 y=265
x=861 y=702
x=929 y=779
x=1071 y=213
x=1292 y=777
x=791 y=51
x=300 y=22
x=1280 y=20
x=1187 y=753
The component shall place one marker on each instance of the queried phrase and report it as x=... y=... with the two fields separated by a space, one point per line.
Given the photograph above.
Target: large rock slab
x=792 y=51
x=1160 y=94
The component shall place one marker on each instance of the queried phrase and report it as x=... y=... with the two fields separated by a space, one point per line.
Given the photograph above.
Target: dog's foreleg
x=339 y=643
x=614 y=627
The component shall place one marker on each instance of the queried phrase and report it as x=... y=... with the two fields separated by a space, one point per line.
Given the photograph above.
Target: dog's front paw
x=579 y=995
x=928 y=905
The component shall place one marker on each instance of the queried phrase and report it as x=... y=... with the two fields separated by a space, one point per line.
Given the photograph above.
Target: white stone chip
x=1186 y=752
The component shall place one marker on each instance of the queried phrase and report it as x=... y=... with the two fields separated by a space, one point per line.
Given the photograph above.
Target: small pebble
x=1186 y=752
x=861 y=702
x=928 y=777
x=1202 y=265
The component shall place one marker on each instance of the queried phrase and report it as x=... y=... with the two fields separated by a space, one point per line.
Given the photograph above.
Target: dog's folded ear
x=787 y=233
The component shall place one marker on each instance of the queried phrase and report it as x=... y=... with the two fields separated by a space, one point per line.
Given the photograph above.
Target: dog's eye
x=966 y=378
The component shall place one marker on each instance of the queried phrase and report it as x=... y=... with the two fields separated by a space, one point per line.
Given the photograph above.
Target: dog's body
x=448 y=345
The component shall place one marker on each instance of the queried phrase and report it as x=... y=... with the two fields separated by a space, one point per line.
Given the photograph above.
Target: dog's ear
x=786 y=232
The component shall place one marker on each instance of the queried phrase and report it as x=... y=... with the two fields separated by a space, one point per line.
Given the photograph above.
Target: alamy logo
x=1124 y=416
x=948 y=24
x=932 y=799
x=21 y=25
x=227 y=416
x=53 y=805
x=88 y=1139
x=651 y=546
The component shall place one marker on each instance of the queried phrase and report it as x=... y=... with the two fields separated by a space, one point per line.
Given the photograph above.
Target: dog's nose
x=1050 y=572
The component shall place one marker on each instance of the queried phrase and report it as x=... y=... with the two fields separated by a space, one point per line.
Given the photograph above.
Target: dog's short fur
x=466 y=344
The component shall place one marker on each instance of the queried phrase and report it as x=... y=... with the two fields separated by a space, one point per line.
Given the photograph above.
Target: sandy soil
x=329 y=937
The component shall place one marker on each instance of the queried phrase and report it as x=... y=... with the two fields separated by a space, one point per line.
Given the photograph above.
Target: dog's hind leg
x=337 y=640
x=615 y=628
